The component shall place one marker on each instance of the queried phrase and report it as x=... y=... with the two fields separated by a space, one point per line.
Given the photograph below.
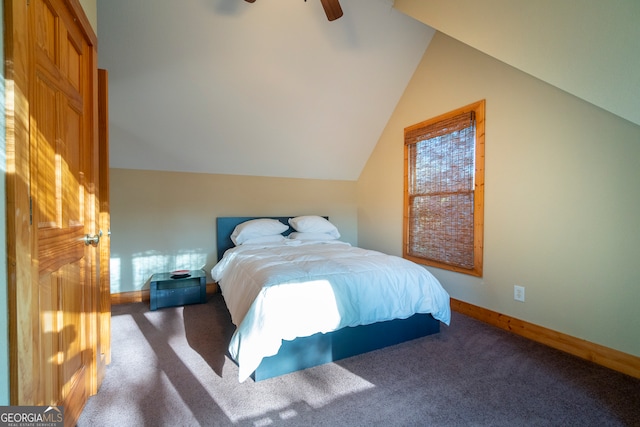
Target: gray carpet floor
x=169 y=369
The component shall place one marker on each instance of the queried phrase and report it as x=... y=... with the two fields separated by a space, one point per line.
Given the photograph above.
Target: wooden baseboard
x=143 y=295
x=613 y=359
x=129 y=297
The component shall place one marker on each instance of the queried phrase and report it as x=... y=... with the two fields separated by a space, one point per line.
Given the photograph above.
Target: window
x=444 y=190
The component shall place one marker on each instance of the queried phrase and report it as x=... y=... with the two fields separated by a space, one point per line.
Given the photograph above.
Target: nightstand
x=167 y=291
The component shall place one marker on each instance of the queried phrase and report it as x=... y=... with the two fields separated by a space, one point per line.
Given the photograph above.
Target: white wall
x=561 y=197
x=162 y=221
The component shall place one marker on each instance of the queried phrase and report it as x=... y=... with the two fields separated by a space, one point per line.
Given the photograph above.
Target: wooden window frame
x=476 y=110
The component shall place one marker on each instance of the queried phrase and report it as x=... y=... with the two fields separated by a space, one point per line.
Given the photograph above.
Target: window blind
x=440 y=212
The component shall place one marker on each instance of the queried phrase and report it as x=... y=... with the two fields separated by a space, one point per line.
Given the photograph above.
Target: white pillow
x=257 y=228
x=320 y=237
x=313 y=224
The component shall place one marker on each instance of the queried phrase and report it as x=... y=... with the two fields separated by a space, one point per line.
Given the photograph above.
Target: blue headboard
x=226 y=224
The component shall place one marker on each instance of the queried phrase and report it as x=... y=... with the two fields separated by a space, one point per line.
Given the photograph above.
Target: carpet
x=169 y=368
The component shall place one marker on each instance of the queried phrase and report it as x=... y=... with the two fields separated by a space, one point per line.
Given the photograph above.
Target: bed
x=301 y=302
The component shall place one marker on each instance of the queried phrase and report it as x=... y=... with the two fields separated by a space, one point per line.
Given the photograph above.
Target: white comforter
x=296 y=289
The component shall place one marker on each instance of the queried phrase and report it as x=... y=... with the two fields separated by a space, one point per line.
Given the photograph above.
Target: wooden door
x=63 y=203
x=53 y=204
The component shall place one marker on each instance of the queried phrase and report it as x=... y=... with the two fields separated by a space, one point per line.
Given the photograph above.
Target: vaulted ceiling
x=588 y=48
x=274 y=89
x=268 y=89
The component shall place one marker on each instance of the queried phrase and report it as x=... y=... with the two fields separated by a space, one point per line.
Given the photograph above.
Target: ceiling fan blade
x=331 y=8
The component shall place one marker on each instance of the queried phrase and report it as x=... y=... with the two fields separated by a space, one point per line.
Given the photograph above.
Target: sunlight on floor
x=287 y=414
x=314 y=388
x=175 y=369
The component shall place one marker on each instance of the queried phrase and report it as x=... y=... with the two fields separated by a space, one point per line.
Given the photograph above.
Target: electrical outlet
x=518 y=293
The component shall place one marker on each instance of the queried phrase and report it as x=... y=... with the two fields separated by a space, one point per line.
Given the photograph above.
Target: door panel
x=52 y=202
x=59 y=212
x=43 y=130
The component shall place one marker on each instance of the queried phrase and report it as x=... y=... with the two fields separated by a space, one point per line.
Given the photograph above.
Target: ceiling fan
x=331 y=8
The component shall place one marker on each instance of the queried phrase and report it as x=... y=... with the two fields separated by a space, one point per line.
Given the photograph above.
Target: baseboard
x=613 y=359
x=129 y=297
x=143 y=295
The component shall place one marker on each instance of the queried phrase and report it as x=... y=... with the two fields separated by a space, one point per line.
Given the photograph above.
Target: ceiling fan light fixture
x=331 y=8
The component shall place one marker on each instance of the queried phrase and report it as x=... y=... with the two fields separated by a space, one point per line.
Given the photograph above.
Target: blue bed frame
x=319 y=349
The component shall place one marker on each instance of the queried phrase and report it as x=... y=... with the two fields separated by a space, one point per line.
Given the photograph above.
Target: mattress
x=294 y=289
